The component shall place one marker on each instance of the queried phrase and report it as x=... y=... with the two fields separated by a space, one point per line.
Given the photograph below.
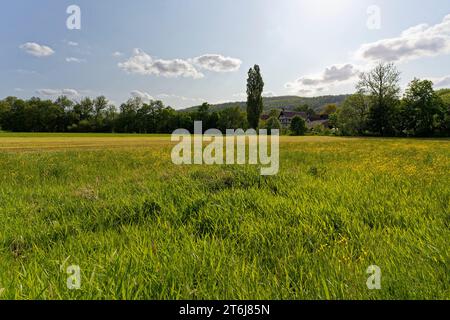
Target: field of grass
x=140 y=227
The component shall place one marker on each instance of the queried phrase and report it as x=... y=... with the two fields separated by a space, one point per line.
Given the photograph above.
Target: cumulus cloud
x=339 y=73
x=142 y=63
x=143 y=95
x=36 y=49
x=217 y=63
x=76 y=60
x=57 y=92
x=418 y=41
x=332 y=75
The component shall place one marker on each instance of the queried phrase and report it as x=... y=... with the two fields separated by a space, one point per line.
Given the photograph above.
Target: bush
x=320 y=130
x=298 y=126
x=272 y=124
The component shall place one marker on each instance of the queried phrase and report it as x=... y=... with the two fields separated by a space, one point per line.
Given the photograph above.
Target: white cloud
x=117 y=54
x=142 y=63
x=76 y=60
x=143 y=95
x=217 y=63
x=58 y=92
x=338 y=73
x=418 y=41
x=70 y=92
x=333 y=75
x=37 y=50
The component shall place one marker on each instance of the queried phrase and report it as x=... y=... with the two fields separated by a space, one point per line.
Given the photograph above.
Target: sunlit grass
x=142 y=228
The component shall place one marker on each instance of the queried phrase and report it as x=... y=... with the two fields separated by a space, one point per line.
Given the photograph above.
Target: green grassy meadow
x=140 y=227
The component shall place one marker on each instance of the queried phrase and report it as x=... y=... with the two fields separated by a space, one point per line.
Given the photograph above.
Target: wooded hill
x=287 y=102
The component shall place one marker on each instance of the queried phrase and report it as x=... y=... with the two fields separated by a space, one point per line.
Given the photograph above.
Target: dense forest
x=376 y=109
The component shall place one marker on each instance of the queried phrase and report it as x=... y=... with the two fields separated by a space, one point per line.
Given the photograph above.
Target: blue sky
x=188 y=52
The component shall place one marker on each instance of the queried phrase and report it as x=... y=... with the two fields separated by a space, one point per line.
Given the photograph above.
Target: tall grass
x=142 y=228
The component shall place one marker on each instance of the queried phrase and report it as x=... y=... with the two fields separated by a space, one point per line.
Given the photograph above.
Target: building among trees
x=286 y=118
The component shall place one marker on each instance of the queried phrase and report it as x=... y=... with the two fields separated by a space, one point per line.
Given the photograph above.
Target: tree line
x=133 y=116
x=98 y=115
x=376 y=109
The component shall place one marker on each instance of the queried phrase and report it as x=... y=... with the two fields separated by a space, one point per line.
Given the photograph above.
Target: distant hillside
x=445 y=95
x=287 y=102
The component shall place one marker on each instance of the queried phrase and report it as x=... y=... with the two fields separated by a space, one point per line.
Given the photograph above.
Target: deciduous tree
x=298 y=126
x=353 y=114
x=422 y=109
x=381 y=84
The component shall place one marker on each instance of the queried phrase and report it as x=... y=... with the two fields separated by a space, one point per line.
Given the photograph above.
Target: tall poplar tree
x=255 y=87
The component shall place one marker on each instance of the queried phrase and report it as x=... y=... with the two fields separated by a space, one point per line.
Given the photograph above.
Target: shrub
x=298 y=126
